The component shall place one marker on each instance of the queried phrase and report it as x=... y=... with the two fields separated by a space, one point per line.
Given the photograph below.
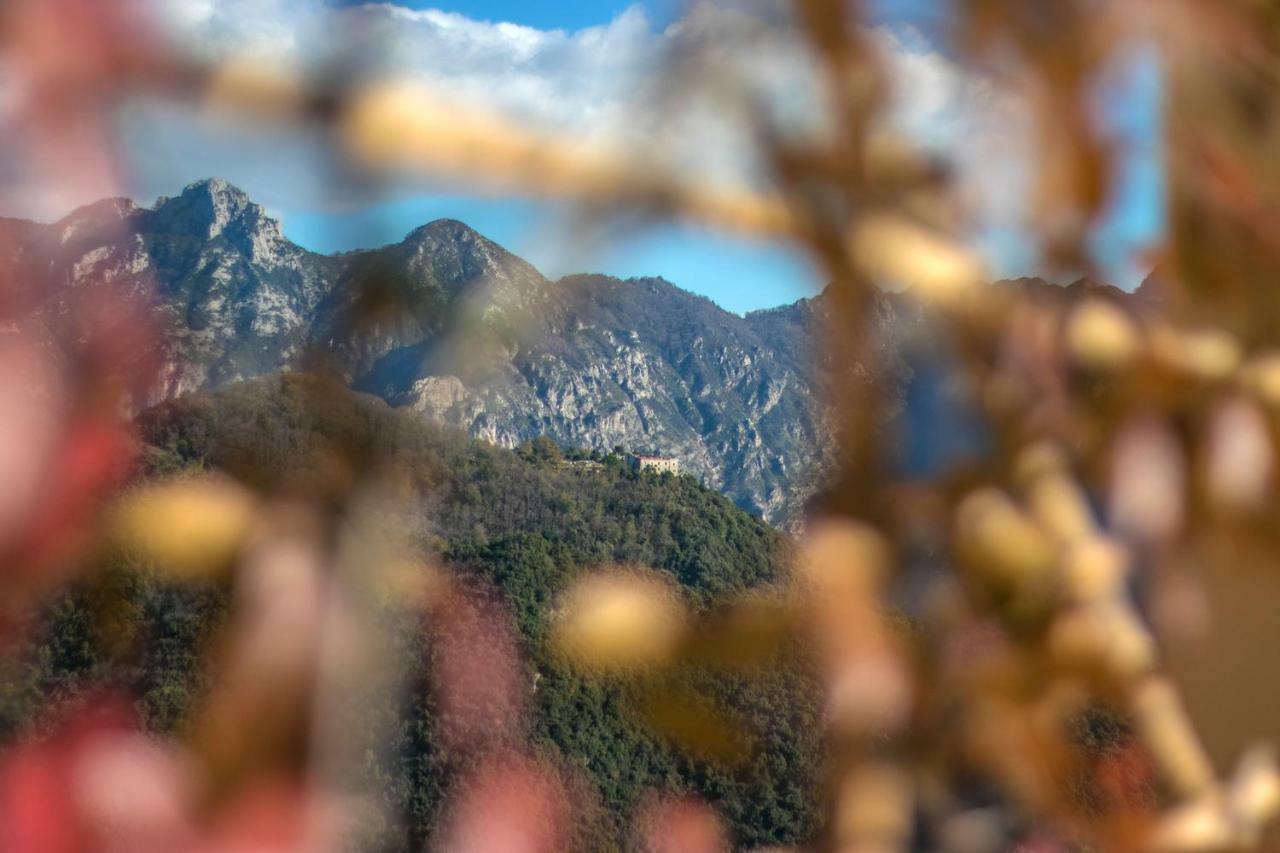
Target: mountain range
x=452 y=325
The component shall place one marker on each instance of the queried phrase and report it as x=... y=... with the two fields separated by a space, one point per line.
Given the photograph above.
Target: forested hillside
x=521 y=523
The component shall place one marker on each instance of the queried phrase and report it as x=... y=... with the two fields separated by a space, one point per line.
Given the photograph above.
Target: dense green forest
x=523 y=524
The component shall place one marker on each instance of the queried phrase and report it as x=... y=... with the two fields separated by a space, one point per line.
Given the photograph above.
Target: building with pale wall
x=658 y=464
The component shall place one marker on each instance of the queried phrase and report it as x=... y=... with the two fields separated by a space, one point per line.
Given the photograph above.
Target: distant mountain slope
x=453 y=326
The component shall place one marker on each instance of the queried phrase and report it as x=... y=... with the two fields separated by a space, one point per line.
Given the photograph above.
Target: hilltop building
x=657 y=464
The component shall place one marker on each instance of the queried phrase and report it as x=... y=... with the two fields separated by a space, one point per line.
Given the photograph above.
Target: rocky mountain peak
x=212 y=208
x=453 y=238
x=93 y=218
x=444 y=229
x=219 y=192
x=456 y=257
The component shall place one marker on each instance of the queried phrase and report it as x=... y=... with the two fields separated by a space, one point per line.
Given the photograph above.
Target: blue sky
x=738 y=274
x=589 y=13
x=574 y=67
x=1129 y=107
x=743 y=276
x=572 y=15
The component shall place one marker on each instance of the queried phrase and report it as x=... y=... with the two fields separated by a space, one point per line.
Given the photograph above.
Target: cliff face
x=455 y=327
x=599 y=362
x=231 y=296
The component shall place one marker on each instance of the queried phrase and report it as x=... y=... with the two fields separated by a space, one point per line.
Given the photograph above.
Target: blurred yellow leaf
x=619 y=620
x=895 y=251
x=189 y=527
x=1101 y=336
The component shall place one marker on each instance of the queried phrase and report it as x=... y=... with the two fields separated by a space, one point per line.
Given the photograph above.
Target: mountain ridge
x=452 y=325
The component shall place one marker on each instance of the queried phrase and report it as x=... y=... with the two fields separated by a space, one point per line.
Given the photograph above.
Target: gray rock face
x=454 y=326
x=231 y=296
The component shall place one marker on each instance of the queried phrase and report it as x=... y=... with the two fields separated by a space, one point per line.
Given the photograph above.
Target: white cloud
x=604 y=82
x=575 y=81
x=981 y=130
